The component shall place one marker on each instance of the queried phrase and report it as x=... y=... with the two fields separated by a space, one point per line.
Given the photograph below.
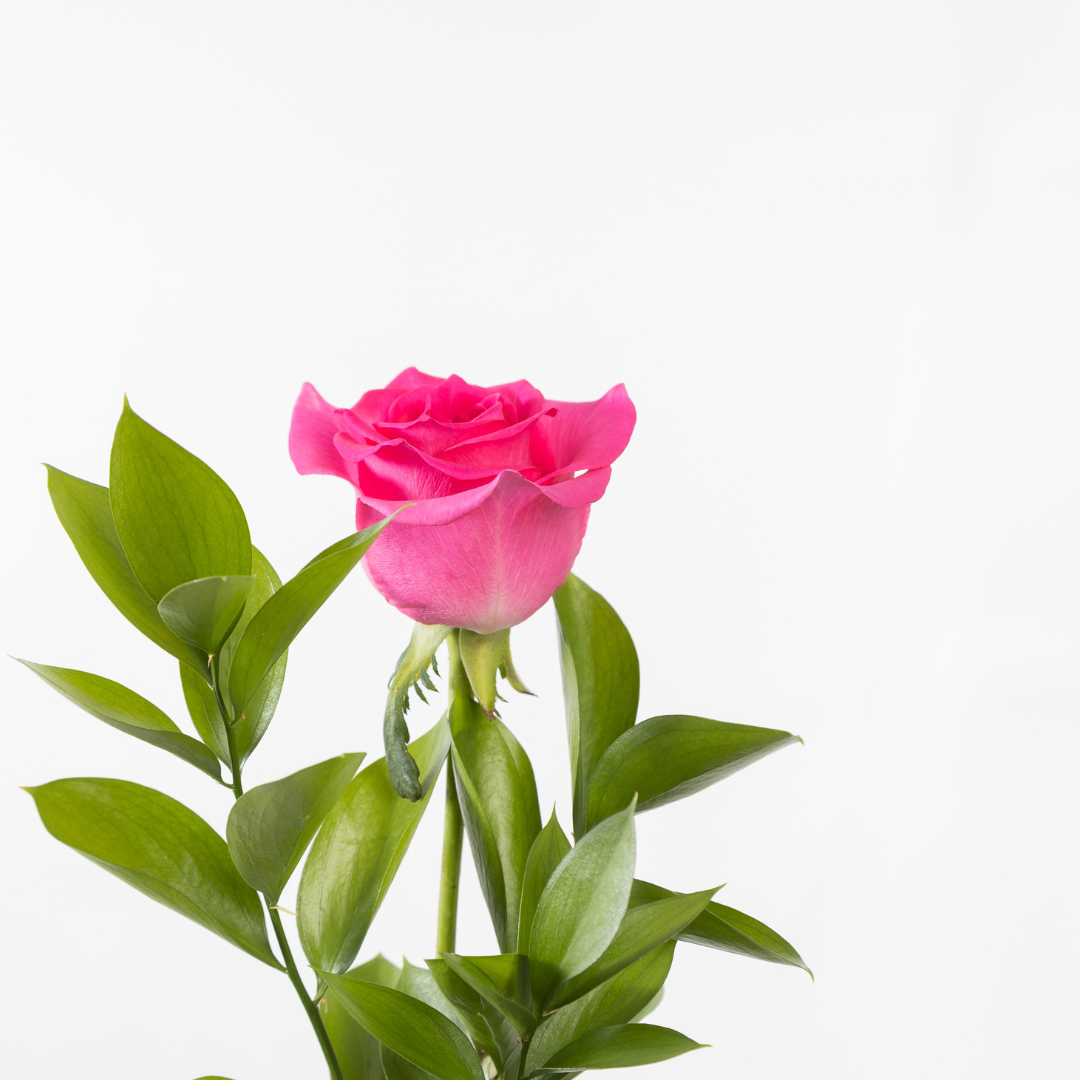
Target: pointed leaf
x=497 y=987
x=583 y=903
x=411 y=1028
x=548 y=850
x=161 y=848
x=204 y=612
x=600 y=682
x=86 y=514
x=642 y=929
x=357 y=852
x=358 y=1053
x=127 y=711
x=203 y=710
x=670 y=757
x=499 y=804
x=176 y=518
x=417 y=983
x=488 y=1028
x=287 y=612
x=620 y=1046
x=720 y=927
x=270 y=826
x=618 y=1001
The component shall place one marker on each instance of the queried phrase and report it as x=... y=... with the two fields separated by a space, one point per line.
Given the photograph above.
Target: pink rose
x=502 y=480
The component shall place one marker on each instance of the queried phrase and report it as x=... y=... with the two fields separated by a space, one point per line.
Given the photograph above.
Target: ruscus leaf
x=548 y=850
x=358 y=1053
x=204 y=612
x=620 y=1046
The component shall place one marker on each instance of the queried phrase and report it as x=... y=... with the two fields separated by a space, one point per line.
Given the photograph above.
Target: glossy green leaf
x=176 y=518
x=286 y=613
x=161 y=848
x=670 y=757
x=204 y=612
x=548 y=850
x=497 y=792
x=417 y=983
x=85 y=512
x=203 y=710
x=357 y=852
x=127 y=711
x=488 y=1028
x=620 y=1046
x=720 y=927
x=270 y=826
x=358 y=1053
x=642 y=929
x=600 y=682
x=410 y=1027
x=620 y=1000
x=583 y=903
x=500 y=981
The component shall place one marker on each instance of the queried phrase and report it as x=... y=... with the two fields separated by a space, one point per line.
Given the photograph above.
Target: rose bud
x=496 y=481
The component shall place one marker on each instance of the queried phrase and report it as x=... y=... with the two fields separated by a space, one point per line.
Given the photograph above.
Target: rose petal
x=589 y=434
x=311 y=437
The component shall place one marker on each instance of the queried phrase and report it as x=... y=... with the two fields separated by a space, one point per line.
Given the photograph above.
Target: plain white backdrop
x=831 y=250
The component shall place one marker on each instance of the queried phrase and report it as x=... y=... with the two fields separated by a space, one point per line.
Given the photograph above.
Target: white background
x=831 y=250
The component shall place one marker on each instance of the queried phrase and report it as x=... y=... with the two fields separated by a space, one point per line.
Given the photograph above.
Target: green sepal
x=128 y=712
x=483 y=655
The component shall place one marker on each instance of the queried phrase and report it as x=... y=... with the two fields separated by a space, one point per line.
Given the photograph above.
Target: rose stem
x=446 y=936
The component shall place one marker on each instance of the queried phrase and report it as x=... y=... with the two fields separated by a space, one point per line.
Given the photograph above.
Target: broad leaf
x=417 y=983
x=548 y=850
x=620 y=1046
x=356 y=854
x=497 y=792
x=670 y=757
x=176 y=518
x=720 y=927
x=161 y=848
x=620 y=1000
x=357 y=1051
x=582 y=904
x=489 y=1029
x=127 y=711
x=412 y=1028
x=499 y=981
x=642 y=929
x=270 y=826
x=600 y=682
x=86 y=514
x=203 y=612
x=286 y=613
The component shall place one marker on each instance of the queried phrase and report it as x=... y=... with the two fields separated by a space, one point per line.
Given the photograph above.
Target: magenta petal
x=490 y=568
x=311 y=437
x=590 y=434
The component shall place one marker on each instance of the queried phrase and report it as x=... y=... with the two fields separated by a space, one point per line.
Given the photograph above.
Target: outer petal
x=590 y=434
x=311 y=437
x=489 y=568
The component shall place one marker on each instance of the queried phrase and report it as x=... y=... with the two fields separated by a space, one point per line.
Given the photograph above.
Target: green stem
x=310 y=1007
x=446 y=938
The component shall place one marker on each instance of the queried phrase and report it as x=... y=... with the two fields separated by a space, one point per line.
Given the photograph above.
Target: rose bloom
x=501 y=480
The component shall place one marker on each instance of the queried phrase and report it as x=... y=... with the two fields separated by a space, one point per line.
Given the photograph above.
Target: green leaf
x=127 y=711
x=620 y=1000
x=417 y=983
x=357 y=1051
x=489 y=1029
x=412 y=1028
x=270 y=826
x=619 y=1046
x=548 y=850
x=176 y=518
x=85 y=512
x=720 y=927
x=670 y=757
x=499 y=981
x=161 y=848
x=498 y=799
x=357 y=852
x=642 y=929
x=204 y=612
x=582 y=904
x=203 y=710
x=600 y=682
x=287 y=612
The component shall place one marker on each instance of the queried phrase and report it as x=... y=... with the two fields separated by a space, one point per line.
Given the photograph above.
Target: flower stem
x=446 y=938
x=310 y=1007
